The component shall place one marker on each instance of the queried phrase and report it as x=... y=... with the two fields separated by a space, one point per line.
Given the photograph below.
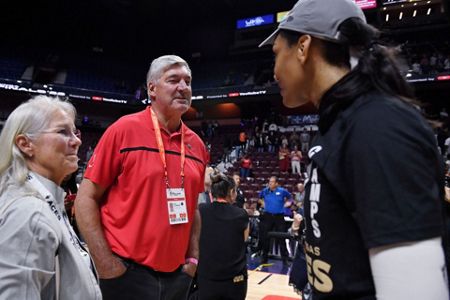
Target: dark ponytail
x=221 y=185
x=378 y=67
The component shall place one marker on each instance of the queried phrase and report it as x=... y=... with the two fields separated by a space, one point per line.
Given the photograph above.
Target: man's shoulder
x=191 y=134
x=134 y=121
x=282 y=189
x=124 y=128
x=133 y=118
x=194 y=143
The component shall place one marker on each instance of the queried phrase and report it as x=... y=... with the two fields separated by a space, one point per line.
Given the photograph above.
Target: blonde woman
x=40 y=255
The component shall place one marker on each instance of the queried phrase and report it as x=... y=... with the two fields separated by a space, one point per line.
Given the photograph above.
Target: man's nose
x=182 y=85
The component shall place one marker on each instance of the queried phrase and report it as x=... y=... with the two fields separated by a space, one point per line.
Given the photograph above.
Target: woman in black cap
x=222 y=268
x=374 y=226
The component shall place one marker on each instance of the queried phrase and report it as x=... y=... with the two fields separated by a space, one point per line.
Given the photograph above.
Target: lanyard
x=62 y=218
x=162 y=154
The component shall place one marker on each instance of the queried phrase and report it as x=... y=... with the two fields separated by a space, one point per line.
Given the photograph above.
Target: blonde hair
x=29 y=118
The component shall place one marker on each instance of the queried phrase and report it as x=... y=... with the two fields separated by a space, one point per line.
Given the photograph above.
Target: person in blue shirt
x=273 y=199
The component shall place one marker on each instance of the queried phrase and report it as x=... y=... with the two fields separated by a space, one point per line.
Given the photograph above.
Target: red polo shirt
x=134 y=209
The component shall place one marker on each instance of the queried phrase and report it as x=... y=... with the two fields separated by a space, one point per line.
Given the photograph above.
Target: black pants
x=221 y=290
x=298 y=277
x=142 y=283
x=272 y=222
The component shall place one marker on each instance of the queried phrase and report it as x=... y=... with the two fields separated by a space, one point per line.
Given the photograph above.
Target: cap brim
x=270 y=39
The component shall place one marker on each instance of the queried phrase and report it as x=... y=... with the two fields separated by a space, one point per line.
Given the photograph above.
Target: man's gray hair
x=162 y=64
x=29 y=118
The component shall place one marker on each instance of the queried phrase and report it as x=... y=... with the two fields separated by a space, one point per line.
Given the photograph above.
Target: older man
x=273 y=199
x=136 y=205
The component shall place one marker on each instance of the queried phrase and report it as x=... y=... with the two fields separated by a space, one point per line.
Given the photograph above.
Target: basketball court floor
x=269 y=282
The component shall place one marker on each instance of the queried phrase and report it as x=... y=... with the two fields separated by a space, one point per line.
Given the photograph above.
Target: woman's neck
x=222 y=200
x=325 y=80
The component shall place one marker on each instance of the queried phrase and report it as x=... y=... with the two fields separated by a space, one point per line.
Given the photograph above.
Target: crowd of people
x=291 y=149
x=431 y=62
x=374 y=188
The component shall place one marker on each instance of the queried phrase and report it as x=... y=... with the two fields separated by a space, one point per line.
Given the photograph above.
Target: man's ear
x=151 y=90
x=303 y=47
x=25 y=145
